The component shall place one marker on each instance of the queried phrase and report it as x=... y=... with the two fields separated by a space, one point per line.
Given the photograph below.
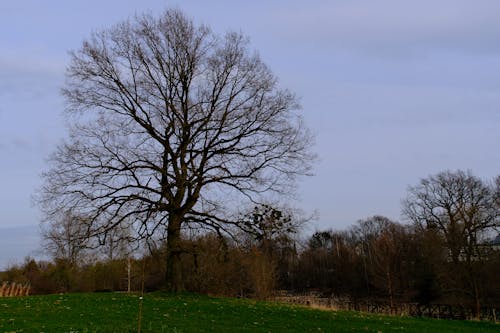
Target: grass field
x=111 y=312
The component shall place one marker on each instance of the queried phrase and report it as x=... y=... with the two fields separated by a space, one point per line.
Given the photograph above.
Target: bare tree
x=381 y=244
x=388 y=255
x=118 y=244
x=171 y=126
x=65 y=238
x=461 y=208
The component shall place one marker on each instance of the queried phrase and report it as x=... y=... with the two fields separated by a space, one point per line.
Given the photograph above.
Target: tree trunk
x=174 y=281
x=477 y=301
x=389 y=289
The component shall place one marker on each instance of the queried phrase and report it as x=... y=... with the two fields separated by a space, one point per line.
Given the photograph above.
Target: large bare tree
x=171 y=126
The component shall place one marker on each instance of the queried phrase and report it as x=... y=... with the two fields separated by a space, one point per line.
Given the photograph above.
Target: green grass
x=111 y=312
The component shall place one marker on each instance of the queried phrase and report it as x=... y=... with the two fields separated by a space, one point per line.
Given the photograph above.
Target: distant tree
x=171 y=127
x=459 y=205
x=118 y=243
x=330 y=263
x=365 y=232
x=461 y=208
x=388 y=257
x=66 y=238
x=266 y=223
x=321 y=240
x=268 y=233
x=384 y=246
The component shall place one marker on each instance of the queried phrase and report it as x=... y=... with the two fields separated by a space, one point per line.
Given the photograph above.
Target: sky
x=394 y=91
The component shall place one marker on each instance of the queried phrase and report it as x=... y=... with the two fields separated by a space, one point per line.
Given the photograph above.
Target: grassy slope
x=189 y=313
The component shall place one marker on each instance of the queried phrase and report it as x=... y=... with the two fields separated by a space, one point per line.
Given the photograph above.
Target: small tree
x=171 y=127
x=268 y=232
x=65 y=238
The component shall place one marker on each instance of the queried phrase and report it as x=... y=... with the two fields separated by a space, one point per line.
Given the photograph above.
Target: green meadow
x=115 y=312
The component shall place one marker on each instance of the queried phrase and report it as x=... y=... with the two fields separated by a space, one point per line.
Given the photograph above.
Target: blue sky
x=393 y=90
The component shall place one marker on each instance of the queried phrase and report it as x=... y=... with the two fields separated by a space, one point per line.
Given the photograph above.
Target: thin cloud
x=391 y=25
x=18 y=242
x=21 y=144
x=25 y=77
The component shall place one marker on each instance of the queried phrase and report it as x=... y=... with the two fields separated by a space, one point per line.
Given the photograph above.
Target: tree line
x=446 y=252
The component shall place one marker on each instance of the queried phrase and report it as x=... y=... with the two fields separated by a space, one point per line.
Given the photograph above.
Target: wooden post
x=2 y=289
x=129 y=265
x=10 y=290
